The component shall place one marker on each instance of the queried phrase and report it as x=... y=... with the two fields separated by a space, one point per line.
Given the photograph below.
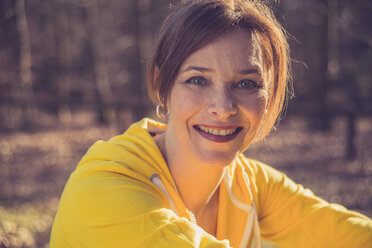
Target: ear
x=156 y=75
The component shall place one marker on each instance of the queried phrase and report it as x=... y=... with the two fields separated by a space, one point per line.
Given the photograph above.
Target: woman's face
x=218 y=100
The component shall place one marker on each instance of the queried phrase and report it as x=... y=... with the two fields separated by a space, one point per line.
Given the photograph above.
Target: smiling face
x=218 y=100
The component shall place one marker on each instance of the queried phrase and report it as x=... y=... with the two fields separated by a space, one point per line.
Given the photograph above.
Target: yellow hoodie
x=123 y=195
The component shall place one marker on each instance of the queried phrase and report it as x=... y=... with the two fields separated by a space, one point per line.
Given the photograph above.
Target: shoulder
x=101 y=196
x=112 y=180
x=273 y=187
x=260 y=171
x=293 y=215
x=101 y=200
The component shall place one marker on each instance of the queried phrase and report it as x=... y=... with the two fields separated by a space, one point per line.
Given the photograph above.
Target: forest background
x=73 y=72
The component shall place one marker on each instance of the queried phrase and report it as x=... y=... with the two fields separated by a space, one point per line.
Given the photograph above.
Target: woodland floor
x=34 y=167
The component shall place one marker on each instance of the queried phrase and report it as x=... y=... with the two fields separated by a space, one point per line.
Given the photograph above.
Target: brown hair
x=194 y=23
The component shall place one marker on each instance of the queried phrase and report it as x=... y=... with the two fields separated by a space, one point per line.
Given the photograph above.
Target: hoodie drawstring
x=155 y=179
x=251 y=227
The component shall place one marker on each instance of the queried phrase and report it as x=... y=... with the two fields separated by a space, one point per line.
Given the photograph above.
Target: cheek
x=254 y=109
x=262 y=100
x=183 y=103
x=254 y=106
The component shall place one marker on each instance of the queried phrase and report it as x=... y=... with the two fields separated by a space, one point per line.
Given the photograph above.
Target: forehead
x=238 y=49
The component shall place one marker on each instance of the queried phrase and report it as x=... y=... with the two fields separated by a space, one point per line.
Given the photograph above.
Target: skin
x=220 y=86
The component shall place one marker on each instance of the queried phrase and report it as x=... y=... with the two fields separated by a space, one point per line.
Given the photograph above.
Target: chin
x=218 y=160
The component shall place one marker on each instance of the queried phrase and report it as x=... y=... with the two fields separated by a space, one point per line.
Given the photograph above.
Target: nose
x=222 y=104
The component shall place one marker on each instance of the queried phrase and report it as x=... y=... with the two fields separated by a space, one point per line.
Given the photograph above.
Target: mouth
x=218 y=134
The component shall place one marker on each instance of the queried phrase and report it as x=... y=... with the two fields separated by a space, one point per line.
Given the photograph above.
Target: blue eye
x=196 y=81
x=246 y=84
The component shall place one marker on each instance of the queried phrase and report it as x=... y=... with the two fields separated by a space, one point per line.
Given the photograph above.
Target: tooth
x=219 y=132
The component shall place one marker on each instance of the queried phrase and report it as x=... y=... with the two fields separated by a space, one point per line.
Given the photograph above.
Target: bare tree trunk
x=143 y=41
x=64 y=61
x=105 y=107
x=26 y=93
x=333 y=75
x=351 y=151
x=333 y=57
x=50 y=64
x=323 y=108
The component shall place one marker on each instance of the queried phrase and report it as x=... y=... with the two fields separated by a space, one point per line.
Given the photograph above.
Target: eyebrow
x=197 y=68
x=253 y=70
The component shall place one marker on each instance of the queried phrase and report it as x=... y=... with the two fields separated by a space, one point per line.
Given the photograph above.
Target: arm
x=291 y=216
x=111 y=210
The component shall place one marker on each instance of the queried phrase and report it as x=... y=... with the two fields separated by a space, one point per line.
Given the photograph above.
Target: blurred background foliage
x=73 y=71
x=62 y=56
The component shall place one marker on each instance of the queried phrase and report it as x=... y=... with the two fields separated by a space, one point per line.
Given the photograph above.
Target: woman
x=219 y=76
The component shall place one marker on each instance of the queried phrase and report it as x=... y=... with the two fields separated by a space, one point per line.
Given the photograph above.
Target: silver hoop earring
x=161 y=111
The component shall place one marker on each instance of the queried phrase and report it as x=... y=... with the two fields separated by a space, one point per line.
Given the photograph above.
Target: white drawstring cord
x=155 y=179
x=251 y=225
x=256 y=227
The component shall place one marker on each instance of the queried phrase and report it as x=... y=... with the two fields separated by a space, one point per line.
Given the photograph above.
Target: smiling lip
x=219 y=134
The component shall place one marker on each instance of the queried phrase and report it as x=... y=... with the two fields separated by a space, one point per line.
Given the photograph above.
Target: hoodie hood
x=135 y=154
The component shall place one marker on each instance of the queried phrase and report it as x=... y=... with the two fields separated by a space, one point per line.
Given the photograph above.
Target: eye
x=246 y=84
x=196 y=81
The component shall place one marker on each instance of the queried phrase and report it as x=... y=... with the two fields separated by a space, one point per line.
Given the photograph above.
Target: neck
x=197 y=183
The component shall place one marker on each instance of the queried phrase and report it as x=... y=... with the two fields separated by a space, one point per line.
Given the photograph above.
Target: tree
x=25 y=93
x=105 y=101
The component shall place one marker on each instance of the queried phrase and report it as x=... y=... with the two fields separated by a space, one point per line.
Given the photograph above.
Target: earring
x=161 y=111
